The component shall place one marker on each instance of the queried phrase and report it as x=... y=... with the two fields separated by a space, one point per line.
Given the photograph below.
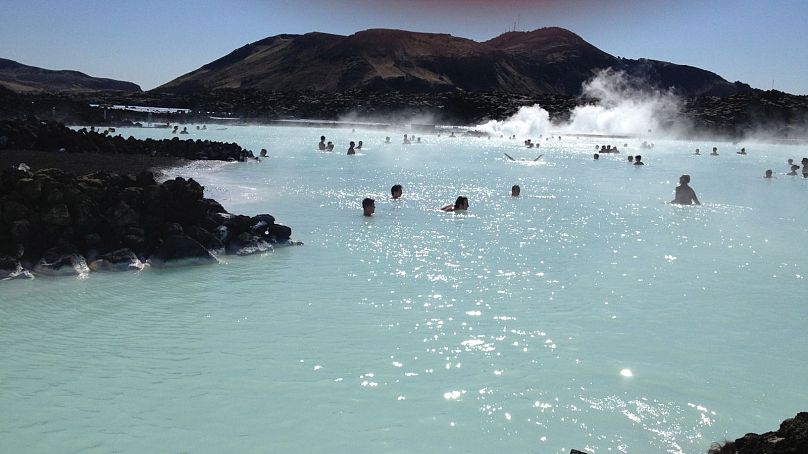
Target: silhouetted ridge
x=23 y=78
x=550 y=60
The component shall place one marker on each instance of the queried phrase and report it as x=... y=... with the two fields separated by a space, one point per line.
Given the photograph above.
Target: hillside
x=551 y=61
x=30 y=79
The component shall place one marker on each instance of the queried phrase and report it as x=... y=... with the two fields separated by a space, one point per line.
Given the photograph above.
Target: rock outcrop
x=23 y=78
x=790 y=438
x=55 y=223
x=33 y=134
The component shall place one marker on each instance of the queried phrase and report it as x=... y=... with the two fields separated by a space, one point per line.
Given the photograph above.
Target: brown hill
x=545 y=61
x=30 y=79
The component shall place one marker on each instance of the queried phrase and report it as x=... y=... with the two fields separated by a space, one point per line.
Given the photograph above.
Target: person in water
x=368 y=206
x=768 y=173
x=406 y=140
x=351 y=150
x=715 y=152
x=697 y=153
x=794 y=169
x=515 y=190
x=631 y=159
x=387 y=140
x=321 y=145
x=461 y=204
x=263 y=152
x=359 y=145
x=638 y=161
x=685 y=195
x=396 y=191
x=596 y=156
x=329 y=146
x=743 y=151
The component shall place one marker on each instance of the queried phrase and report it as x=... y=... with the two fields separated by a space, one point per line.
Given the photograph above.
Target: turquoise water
x=586 y=314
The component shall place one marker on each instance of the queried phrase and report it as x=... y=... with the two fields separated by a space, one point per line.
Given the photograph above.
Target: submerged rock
x=63 y=265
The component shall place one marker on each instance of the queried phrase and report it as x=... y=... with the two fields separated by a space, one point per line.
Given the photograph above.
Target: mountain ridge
x=23 y=78
x=549 y=60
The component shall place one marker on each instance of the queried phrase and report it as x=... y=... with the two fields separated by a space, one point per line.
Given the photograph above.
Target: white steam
x=623 y=107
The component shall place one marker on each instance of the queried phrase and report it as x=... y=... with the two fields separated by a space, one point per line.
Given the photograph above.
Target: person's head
x=596 y=156
x=360 y=143
x=768 y=173
x=637 y=158
x=697 y=151
x=795 y=167
x=515 y=190
x=715 y=149
x=352 y=144
x=631 y=159
x=368 y=206
x=684 y=179
x=396 y=191
x=462 y=203
x=790 y=162
x=322 y=138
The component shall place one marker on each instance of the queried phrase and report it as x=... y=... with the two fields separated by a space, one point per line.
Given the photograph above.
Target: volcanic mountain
x=544 y=61
x=30 y=79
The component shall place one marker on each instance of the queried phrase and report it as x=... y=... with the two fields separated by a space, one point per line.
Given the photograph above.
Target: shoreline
x=89 y=162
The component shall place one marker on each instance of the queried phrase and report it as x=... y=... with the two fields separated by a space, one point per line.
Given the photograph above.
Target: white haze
x=622 y=108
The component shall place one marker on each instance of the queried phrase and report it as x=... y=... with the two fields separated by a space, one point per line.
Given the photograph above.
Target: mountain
x=30 y=79
x=544 y=61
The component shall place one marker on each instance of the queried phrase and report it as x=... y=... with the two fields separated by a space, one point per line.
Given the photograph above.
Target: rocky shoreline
x=781 y=114
x=77 y=207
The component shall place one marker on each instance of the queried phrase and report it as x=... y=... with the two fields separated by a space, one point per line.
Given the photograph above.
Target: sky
x=150 y=43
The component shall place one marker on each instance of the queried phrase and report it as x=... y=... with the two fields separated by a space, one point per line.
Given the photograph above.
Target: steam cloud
x=624 y=107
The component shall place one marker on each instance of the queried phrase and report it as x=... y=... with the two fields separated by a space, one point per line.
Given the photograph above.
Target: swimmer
x=697 y=153
x=714 y=152
x=631 y=159
x=368 y=206
x=515 y=190
x=406 y=140
x=329 y=146
x=596 y=156
x=387 y=140
x=794 y=169
x=359 y=145
x=263 y=152
x=461 y=204
x=321 y=145
x=351 y=150
x=638 y=161
x=685 y=195
x=768 y=173
x=396 y=191
x=743 y=151
x=418 y=140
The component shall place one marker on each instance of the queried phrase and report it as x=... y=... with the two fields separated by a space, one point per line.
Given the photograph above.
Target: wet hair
x=631 y=159
x=395 y=188
x=515 y=189
x=462 y=200
x=367 y=202
x=322 y=138
x=685 y=177
x=638 y=158
x=596 y=156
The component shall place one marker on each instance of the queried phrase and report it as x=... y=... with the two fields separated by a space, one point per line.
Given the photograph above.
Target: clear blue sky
x=150 y=42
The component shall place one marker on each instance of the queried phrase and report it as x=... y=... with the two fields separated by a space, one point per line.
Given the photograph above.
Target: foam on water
x=587 y=313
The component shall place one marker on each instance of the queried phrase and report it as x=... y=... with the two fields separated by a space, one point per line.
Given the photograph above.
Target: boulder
x=180 y=250
x=247 y=244
x=56 y=215
x=118 y=260
x=791 y=438
x=62 y=265
x=279 y=232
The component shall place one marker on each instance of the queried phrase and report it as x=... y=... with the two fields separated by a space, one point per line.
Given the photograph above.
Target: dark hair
x=686 y=177
x=395 y=188
x=461 y=201
x=367 y=202
x=638 y=158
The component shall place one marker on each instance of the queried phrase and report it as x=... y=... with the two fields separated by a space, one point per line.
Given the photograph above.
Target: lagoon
x=587 y=313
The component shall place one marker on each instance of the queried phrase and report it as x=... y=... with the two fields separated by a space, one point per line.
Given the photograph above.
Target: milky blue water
x=587 y=313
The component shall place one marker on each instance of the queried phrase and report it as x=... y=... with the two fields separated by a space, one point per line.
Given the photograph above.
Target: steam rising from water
x=623 y=107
